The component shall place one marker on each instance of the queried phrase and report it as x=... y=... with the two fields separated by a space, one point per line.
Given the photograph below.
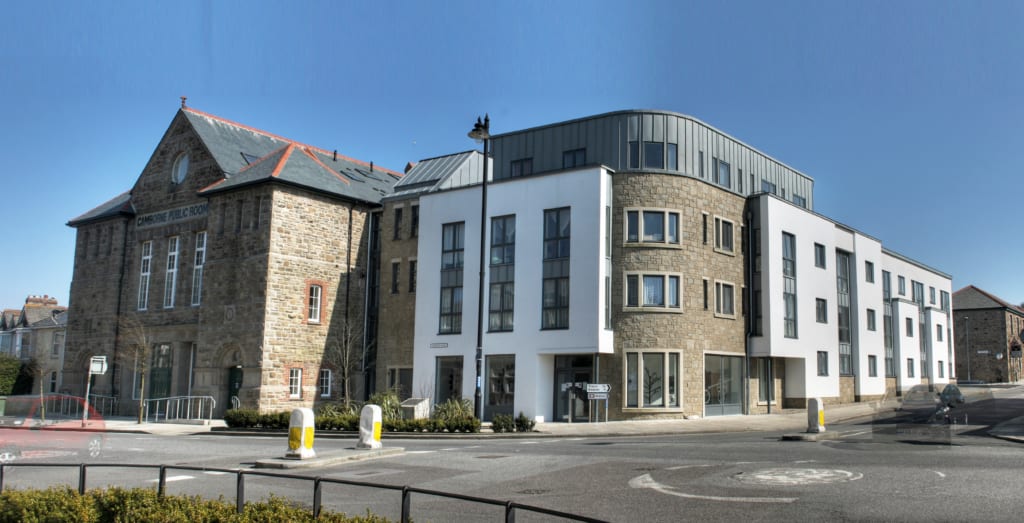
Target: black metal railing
x=510 y=507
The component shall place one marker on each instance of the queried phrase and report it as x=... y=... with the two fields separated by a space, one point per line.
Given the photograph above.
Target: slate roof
x=248 y=156
x=9 y=318
x=120 y=205
x=971 y=297
x=58 y=318
x=443 y=172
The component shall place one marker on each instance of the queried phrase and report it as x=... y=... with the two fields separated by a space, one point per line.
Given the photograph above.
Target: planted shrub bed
x=117 y=505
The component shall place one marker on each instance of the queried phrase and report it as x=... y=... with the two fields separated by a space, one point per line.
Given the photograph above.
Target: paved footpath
x=785 y=421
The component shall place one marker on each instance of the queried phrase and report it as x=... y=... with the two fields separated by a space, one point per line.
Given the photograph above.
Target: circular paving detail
x=792 y=476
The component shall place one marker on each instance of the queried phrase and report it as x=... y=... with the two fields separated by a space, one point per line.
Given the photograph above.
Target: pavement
x=791 y=421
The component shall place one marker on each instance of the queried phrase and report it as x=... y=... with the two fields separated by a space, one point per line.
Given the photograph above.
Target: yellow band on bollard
x=295 y=438
x=376 y=431
x=821 y=417
x=309 y=437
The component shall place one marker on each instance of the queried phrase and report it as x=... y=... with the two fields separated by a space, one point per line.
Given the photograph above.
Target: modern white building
x=654 y=254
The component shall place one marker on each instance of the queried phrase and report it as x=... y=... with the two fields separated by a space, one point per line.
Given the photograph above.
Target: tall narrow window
x=673 y=157
x=822 y=363
x=415 y=221
x=313 y=303
x=819 y=255
x=789 y=284
x=197 y=271
x=144 y=270
x=821 y=310
x=887 y=325
x=396 y=270
x=902 y=285
x=869 y=272
x=171 y=277
x=412 y=275
x=325 y=383
x=725 y=299
x=294 y=383
x=555 y=289
x=398 y=224
x=844 y=324
x=768 y=187
x=634 y=155
x=800 y=200
x=723 y=235
x=452 y=246
x=501 y=304
x=724 y=173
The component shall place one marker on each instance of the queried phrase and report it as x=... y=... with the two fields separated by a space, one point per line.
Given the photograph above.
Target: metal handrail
x=510 y=506
x=181 y=407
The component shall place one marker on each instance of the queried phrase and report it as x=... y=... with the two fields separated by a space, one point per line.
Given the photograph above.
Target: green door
x=160 y=374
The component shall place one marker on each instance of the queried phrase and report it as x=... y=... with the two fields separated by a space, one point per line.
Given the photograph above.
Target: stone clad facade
x=398 y=268
x=989 y=331
x=216 y=262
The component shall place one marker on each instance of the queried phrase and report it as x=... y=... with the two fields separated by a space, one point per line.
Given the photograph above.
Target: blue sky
x=908 y=115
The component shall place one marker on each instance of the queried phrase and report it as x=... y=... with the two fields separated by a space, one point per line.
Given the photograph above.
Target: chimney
x=371 y=167
x=335 y=155
x=409 y=166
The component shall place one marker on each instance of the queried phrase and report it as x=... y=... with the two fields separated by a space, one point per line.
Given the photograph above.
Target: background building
x=35 y=334
x=988 y=338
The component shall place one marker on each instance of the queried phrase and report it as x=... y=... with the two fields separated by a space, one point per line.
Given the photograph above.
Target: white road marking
x=856 y=434
x=645 y=481
x=172 y=478
x=793 y=476
x=528 y=442
x=806 y=461
x=681 y=467
x=941 y=475
x=215 y=473
x=420 y=451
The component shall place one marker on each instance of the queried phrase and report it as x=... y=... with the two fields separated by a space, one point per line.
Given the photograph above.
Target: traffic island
x=815 y=424
x=328 y=458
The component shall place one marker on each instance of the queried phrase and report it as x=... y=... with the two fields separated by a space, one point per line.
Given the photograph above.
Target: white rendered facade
x=866 y=372
x=585 y=192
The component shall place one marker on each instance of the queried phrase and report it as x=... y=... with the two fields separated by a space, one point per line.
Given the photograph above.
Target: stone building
x=988 y=337
x=35 y=333
x=234 y=268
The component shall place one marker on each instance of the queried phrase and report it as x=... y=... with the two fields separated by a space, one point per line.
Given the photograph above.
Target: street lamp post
x=481 y=133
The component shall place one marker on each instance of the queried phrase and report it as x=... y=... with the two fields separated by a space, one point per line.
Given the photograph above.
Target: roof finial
x=183 y=98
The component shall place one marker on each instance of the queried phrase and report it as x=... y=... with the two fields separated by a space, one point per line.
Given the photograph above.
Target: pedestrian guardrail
x=511 y=507
x=180 y=407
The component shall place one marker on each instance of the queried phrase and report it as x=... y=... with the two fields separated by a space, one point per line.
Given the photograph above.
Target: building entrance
x=723 y=385
x=572 y=374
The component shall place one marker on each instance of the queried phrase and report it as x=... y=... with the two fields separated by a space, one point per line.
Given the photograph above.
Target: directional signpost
x=97 y=365
x=599 y=391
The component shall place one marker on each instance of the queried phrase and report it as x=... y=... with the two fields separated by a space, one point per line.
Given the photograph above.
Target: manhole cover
x=792 y=476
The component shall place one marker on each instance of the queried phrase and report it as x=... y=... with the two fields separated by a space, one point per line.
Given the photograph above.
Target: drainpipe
x=748 y=256
x=117 y=324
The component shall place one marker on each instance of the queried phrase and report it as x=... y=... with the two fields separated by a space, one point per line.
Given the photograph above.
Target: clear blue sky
x=907 y=114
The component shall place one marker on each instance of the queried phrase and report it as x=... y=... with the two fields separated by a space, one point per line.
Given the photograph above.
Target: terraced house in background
x=643 y=250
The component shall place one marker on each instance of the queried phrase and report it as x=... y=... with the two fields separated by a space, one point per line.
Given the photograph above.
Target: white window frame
x=145 y=269
x=197 y=271
x=720 y=288
x=720 y=236
x=629 y=277
x=58 y=344
x=667 y=215
x=295 y=383
x=171 y=276
x=666 y=372
x=324 y=383
x=314 y=302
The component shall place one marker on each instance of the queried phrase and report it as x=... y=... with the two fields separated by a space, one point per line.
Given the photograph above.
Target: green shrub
x=503 y=423
x=9 y=369
x=390 y=406
x=241 y=418
x=524 y=424
x=453 y=409
x=117 y=504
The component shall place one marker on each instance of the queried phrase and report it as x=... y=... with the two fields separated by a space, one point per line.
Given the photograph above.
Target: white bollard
x=300 y=435
x=369 y=428
x=815 y=416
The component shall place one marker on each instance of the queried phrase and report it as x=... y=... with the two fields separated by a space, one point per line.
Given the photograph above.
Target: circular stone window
x=180 y=169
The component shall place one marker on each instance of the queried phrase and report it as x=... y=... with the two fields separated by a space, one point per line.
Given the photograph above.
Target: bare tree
x=138 y=356
x=344 y=352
